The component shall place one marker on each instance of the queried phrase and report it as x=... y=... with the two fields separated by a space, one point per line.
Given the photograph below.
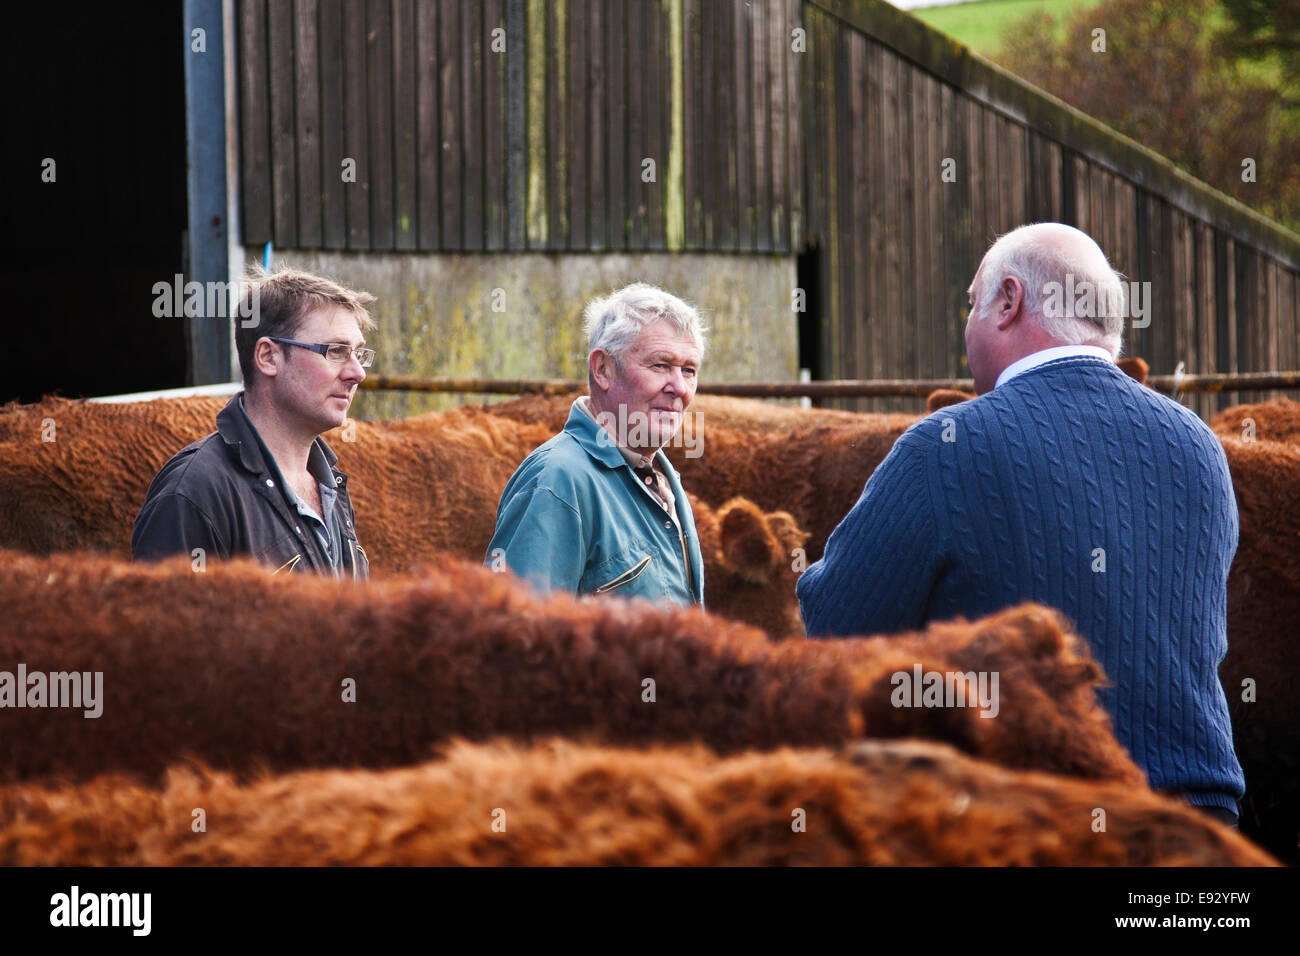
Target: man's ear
x=601 y=366
x=1011 y=302
x=266 y=357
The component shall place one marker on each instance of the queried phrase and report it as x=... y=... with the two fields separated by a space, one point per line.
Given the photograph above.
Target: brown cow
x=240 y=669
x=424 y=488
x=562 y=804
x=1264 y=639
x=1276 y=420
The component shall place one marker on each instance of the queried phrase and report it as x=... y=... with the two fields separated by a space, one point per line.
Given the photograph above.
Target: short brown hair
x=284 y=297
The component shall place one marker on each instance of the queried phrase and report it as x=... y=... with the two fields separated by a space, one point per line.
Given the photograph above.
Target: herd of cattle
x=443 y=713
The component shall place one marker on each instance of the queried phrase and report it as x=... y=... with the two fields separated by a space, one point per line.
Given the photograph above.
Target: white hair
x=1048 y=271
x=613 y=322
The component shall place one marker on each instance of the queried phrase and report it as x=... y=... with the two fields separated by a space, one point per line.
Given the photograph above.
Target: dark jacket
x=221 y=495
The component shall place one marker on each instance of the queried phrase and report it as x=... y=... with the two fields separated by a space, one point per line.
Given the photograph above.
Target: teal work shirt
x=574 y=517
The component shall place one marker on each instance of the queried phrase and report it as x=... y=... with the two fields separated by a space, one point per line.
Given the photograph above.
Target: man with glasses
x=264 y=484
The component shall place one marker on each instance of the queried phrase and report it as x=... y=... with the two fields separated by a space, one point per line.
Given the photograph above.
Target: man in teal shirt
x=598 y=509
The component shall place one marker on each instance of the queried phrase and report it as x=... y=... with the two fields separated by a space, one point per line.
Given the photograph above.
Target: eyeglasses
x=334 y=351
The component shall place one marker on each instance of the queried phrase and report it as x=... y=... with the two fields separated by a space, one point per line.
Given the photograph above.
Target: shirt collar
x=1055 y=353
x=633 y=458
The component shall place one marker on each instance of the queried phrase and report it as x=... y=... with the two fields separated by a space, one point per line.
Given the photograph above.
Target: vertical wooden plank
x=885 y=340
x=903 y=324
x=865 y=178
x=379 y=114
x=406 y=225
x=812 y=96
x=307 y=122
x=980 y=228
x=1244 y=315
x=557 y=136
x=1225 y=304
x=935 y=239
x=355 y=144
x=1289 y=321
x=797 y=64
x=722 y=118
x=255 y=123
x=599 y=134
x=1017 y=162
x=1165 y=340
x=1269 y=312
x=578 y=123
x=516 y=124
x=691 y=67
x=833 y=112
x=857 y=319
x=618 y=129
x=744 y=141
x=428 y=108
x=1125 y=256
x=923 y=232
x=760 y=120
x=1205 y=318
x=1138 y=343
x=712 y=160
x=992 y=180
x=333 y=199
x=639 y=148
x=451 y=39
x=1185 y=293
x=472 y=50
x=494 y=126
x=656 y=125
x=778 y=64
x=284 y=179
x=959 y=222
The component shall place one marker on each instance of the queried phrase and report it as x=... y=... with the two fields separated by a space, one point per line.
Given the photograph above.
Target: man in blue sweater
x=1067 y=483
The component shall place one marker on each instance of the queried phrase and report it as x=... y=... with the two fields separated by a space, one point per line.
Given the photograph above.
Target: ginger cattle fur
x=242 y=670
x=560 y=803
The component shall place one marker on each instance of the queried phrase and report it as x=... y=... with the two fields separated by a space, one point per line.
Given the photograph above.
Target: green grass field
x=980 y=25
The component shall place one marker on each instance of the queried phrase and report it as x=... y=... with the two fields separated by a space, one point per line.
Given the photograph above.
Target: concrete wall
x=436 y=318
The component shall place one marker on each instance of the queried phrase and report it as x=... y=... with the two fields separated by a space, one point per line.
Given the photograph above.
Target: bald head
x=1039 y=286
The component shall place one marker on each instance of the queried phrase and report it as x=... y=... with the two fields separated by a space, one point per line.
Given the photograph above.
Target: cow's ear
x=746 y=541
x=1135 y=368
x=787 y=531
x=943 y=397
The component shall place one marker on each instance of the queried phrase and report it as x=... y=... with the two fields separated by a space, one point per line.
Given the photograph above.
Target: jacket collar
x=243 y=443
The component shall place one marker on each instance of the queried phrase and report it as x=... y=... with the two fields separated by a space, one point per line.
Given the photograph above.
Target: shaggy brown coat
x=242 y=670
x=881 y=803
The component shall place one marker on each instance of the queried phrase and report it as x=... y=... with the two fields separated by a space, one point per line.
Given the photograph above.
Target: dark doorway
x=99 y=89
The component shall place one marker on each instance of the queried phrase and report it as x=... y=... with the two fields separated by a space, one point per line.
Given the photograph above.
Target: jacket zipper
x=628 y=575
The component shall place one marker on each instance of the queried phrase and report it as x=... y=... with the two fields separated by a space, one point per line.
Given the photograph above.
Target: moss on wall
x=513 y=315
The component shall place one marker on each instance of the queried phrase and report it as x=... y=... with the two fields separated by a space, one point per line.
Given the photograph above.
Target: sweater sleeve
x=882 y=561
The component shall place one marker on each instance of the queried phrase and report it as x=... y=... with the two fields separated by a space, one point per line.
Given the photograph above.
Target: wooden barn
x=820 y=176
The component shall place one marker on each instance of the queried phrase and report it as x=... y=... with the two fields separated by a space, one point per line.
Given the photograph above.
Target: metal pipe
x=851 y=388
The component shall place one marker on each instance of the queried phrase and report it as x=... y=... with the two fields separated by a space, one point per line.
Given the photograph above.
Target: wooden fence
x=888 y=102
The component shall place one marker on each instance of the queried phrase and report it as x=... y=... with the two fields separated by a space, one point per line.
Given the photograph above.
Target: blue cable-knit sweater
x=1008 y=497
